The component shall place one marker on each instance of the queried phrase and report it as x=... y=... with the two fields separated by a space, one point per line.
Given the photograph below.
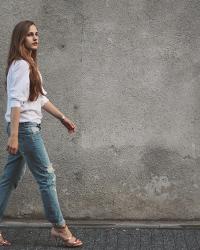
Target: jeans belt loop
x=39 y=125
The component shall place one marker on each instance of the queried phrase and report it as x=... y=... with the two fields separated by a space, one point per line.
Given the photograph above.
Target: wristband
x=62 y=118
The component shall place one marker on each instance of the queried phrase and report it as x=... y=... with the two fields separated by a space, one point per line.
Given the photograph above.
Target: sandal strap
x=4 y=242
x=60 y=230
x=67 y=239
x=75 y=241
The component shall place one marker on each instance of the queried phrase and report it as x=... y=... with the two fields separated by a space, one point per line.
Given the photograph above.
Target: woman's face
x=32 y=39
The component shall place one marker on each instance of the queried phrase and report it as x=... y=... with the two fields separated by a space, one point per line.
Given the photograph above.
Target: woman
x=25 y=98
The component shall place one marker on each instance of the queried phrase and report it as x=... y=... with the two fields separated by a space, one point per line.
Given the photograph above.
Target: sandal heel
x=53 y=237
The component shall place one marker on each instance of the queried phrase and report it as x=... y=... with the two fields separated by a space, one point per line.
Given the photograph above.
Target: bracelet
x=62 y=118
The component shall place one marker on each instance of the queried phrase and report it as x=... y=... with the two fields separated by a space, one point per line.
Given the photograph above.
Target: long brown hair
x=18 y=51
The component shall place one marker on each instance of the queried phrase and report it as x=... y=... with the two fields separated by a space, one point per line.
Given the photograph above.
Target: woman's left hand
x=69 y=125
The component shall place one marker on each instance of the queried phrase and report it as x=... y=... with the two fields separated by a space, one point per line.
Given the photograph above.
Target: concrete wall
x=127 y=72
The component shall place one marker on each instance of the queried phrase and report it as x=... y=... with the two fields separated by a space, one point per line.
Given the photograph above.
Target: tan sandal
x=4 y=242
x=63 y=233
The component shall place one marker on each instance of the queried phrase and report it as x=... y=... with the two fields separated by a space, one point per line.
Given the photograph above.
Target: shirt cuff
x=15 y=103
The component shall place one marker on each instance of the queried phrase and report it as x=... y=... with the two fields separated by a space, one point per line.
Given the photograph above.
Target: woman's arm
x=51 y=109
x=12 y=145
x=19 y=93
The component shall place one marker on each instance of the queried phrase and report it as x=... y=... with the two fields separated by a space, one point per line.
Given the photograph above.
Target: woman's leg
x=12 y=174
x=40 y=166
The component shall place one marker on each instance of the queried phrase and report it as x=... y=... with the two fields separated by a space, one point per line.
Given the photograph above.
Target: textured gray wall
x=127 y=73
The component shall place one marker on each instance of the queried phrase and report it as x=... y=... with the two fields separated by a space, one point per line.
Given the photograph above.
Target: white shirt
x=18 y=83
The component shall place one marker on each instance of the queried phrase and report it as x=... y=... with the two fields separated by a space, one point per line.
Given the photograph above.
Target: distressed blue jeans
x=32 y=152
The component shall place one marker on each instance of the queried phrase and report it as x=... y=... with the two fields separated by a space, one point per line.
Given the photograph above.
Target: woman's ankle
x=59 y=226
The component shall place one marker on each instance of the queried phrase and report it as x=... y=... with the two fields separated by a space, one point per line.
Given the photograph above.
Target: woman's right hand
x=69 y=125
x=12 y=145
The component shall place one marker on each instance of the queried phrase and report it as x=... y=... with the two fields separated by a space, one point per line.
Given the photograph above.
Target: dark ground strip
x=103 y=238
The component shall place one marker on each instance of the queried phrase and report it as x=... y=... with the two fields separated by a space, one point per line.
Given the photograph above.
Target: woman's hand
x=50 y=108
x=12 y=145
x=69 y=125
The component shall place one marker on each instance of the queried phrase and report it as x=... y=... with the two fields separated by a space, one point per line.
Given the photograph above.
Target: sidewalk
x=101 y=235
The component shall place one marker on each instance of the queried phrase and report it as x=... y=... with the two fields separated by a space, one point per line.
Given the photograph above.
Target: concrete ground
x=104 y=235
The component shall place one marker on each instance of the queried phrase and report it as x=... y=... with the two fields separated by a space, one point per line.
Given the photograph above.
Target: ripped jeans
x=32 y=152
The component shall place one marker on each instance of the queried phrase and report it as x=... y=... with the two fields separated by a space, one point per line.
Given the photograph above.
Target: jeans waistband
x=28 y=124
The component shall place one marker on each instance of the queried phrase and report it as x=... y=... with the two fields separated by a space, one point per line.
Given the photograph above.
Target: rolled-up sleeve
x=44 y=99
x=20 y=84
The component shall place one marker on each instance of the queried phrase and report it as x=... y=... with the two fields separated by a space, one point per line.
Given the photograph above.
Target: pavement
x=106 y=235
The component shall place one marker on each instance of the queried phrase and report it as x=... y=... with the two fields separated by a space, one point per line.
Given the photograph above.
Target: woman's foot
x=4 y=242
x=65 y=234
